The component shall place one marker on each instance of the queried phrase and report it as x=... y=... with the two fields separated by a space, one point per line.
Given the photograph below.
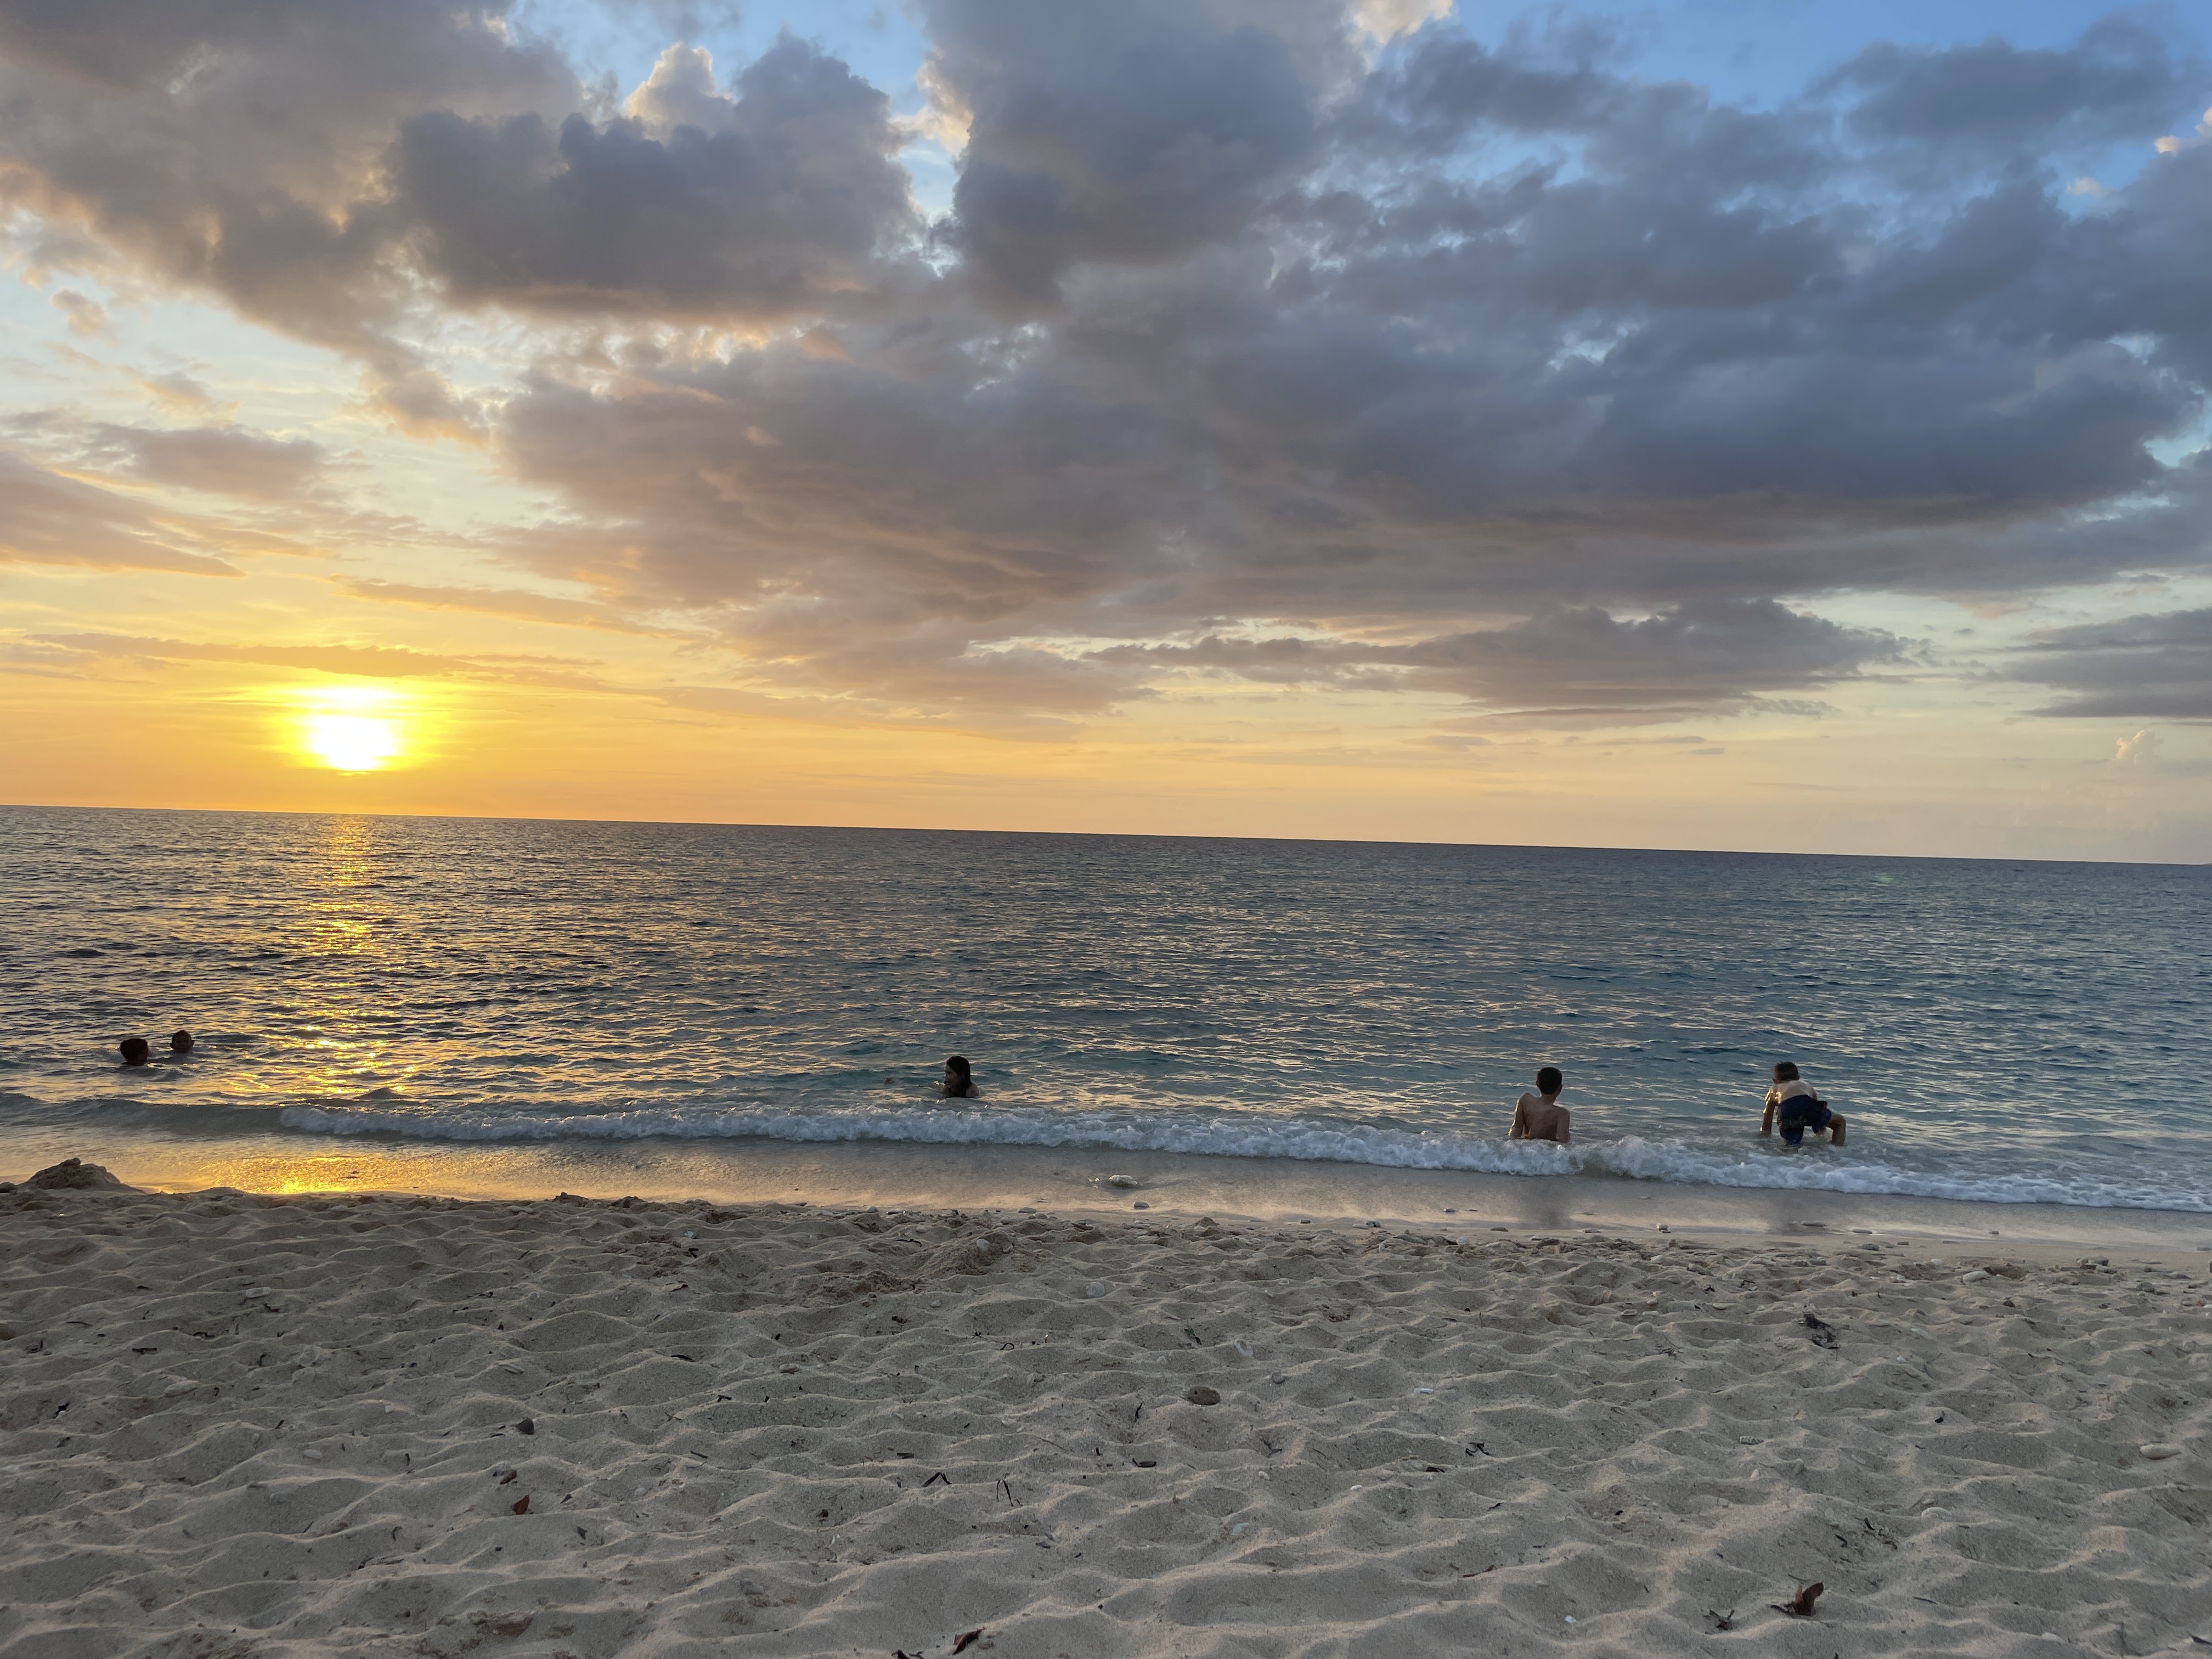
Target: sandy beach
x=239 y=1425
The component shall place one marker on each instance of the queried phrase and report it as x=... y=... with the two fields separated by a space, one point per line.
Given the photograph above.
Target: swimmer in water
x=180 y=1044
x=1792 y=1105
x=135 y=1051
x=1540 y=1116
x=959 y=1081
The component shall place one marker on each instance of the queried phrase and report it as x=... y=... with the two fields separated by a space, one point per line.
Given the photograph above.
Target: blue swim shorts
x=1793 y=1128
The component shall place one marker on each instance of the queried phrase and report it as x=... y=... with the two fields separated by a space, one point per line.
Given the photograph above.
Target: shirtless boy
x=1540 y=1116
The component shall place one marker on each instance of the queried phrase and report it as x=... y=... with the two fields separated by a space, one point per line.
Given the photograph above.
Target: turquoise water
x=2003 y=1032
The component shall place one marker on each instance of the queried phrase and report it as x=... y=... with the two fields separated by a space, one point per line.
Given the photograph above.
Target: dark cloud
x=1132 y=133
x=1242 y=347
x=228 y=459
x=127 y=43
x=784 y=201
x=1342 y=385
x=308 y=163
x=235 y=148
x=314 y=164
x=2147 y=667
x=2124 y=78
x=1714 y=655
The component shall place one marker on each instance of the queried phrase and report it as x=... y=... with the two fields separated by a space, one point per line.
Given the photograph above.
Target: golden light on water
x=352 y=728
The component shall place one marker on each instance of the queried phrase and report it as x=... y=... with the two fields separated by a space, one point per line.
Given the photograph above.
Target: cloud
x=1300 y=357
x=1569 y=665
x=2145 y=667
x=86 y=317
x=235 y=147
x=369 y=661
x=1713 y=654
x=228 y=460
x=1253 y=343
x=682 y=91
x=2122 y=79
x=48 y=518
x=1386 y=20
x=516 y=603
x=2137 y=753
x=698 y=205
x=177 y=391
x=1135 y=133
x=383 y=662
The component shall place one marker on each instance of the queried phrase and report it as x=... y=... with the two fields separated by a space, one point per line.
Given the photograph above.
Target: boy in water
x=1792 y=1103
x=1540 y=1116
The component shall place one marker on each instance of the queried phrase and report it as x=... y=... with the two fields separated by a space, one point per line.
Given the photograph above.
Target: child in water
x=1792 y=1103
x=959 y=1081
x=1540 y=1116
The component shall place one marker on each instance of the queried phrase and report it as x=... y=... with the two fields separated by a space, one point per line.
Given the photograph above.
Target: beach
x=379 y=1423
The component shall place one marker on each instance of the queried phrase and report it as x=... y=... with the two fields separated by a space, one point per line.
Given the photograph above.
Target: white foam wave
x=1253 y=1135
x=1826 y=1171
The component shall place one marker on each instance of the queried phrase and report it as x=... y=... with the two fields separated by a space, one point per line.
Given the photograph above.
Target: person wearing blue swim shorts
x=1793 y=1108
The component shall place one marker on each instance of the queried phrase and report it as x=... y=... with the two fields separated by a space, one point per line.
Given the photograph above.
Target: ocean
x=1995 y=1031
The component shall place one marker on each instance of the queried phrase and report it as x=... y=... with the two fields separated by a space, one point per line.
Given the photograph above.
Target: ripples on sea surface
x=2001 y=1031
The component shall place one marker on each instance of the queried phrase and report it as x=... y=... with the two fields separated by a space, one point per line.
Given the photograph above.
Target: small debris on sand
x=1800 y=1606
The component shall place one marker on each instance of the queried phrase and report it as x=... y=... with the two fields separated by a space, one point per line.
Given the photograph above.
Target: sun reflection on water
x=346 y=914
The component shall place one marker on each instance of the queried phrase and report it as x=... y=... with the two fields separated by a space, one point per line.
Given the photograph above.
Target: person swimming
x=135 y=1051
x=1540 y=1116
x=1793 y=1107
x=180 y=1044
x=959 y=1081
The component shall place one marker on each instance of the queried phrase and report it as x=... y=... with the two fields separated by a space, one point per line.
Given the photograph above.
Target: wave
x=1251 y=1135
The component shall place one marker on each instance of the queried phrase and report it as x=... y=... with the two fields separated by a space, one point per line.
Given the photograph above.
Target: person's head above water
x=180 y=1043
x=1549 y=1082
x=135 y=1051
x=958 y=1079
x=1785 y=1070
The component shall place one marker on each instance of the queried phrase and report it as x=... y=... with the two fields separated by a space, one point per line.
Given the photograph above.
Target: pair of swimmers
x=136 y=1051
x=1791 y=1106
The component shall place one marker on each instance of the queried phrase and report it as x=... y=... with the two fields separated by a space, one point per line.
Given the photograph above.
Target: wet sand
x=278 y=1425
x=1073 y=1181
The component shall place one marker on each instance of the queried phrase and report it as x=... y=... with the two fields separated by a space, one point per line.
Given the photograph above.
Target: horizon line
x=1112 y=835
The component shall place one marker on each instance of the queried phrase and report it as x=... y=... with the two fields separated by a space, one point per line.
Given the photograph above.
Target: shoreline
x=394 y=1424
x=1096 y=1184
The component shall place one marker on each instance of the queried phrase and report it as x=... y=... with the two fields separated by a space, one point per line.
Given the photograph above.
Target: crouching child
x=1792 y=1107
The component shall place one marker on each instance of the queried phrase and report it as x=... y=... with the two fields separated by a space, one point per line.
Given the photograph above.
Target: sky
x=1750 y=424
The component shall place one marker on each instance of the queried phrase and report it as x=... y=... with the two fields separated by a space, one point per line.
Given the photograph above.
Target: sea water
x=1998 y=1031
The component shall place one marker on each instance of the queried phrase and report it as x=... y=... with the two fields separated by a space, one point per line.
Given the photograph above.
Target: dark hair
x=957 y=1064
x=1785 y=1070
x=134 y=1050
x=180 y=1043
x=1549 y=1082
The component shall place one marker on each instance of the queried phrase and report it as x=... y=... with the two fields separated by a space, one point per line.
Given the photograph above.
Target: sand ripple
x=238 y=1425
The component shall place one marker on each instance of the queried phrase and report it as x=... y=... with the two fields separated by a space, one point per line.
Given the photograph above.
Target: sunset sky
x=1732 y=423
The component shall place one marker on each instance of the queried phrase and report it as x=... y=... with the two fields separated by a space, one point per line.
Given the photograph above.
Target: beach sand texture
x=305 y=1425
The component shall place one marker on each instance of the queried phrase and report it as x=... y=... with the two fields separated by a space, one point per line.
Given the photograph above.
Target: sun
x=351 y=743
x=352 y=728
